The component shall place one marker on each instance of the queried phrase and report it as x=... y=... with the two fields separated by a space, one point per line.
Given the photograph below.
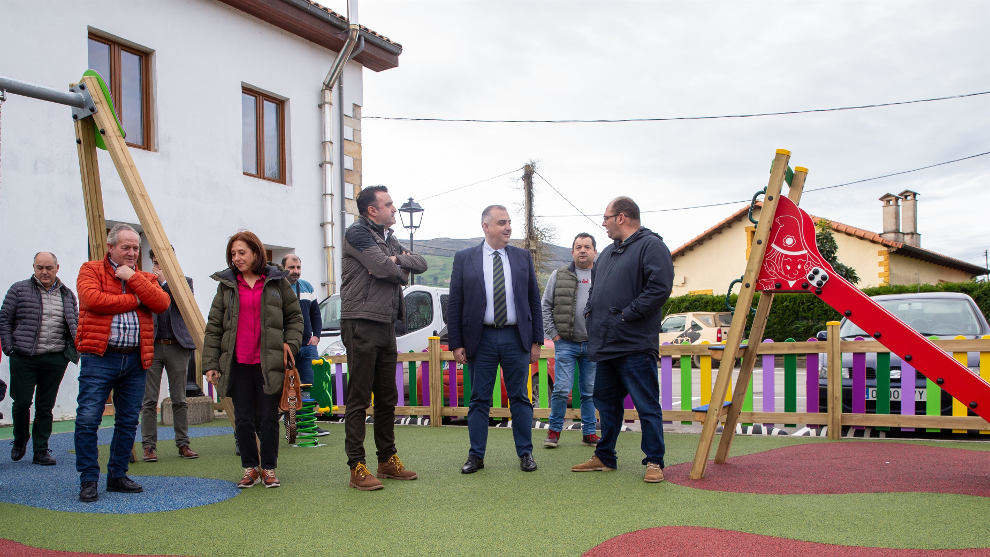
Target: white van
x=426 y=316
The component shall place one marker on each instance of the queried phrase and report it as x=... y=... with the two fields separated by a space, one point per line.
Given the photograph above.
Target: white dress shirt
x=488 y=265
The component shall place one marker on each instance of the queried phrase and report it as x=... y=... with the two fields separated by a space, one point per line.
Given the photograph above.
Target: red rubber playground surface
x=832 y=468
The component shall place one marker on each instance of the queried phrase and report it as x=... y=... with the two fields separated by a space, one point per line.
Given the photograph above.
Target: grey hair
x=287 y=256
x=55 y=257
x=488 y=211
x=116 y=230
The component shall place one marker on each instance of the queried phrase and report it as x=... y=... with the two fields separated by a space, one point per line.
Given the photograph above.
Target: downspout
x=326 y=145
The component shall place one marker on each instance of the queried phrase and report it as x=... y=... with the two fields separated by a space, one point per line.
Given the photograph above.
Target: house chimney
x=910 y=207
x=891 y=218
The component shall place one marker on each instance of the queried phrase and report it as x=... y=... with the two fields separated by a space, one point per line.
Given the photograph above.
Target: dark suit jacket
x=179 y=329
x=466 y=308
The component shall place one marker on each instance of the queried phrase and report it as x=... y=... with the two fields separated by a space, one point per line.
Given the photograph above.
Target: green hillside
x=438 y=272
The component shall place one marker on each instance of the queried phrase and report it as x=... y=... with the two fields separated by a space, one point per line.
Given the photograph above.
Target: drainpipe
x=329 y=204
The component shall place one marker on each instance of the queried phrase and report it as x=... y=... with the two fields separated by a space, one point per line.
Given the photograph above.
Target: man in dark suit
x=494 y=319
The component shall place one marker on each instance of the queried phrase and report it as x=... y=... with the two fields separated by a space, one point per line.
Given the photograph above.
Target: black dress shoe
x=123 y=484
x=17 y=451
x=87 y=492
x=526 y=463
x=43 y=458
x=472 y=465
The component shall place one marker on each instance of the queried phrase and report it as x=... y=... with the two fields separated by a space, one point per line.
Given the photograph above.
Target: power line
x=471 y=184
x=562 y=196
x=807 y=190
x=673 y=118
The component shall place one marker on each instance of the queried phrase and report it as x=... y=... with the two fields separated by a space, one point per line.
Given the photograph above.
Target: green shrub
x=801 y=316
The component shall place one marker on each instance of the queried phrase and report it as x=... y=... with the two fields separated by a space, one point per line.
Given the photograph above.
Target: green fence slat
x=467 y=385
x=686 y=385
x=883 y=385
x=933 y=396
x=790 y=383
x=748 y=399
x=544 y=384
x=497 y=390
x=413 y=391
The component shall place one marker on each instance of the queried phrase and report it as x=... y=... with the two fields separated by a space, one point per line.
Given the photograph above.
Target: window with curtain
x=125 y=70
x=263 y=136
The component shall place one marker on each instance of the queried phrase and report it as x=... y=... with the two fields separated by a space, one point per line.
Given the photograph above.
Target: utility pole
x=530 y=241
x=986 y=263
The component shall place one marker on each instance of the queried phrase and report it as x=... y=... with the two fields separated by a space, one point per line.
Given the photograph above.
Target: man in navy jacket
x=494 y=318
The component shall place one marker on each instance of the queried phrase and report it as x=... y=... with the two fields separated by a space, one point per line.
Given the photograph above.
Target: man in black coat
x=37 y=330
x=631 y=280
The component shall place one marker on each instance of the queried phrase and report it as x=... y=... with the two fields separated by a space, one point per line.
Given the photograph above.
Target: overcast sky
x=553 y=60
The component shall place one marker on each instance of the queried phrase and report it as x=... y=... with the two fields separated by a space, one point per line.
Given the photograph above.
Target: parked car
x=695 y=327
x=426 y=316
x=942 y=314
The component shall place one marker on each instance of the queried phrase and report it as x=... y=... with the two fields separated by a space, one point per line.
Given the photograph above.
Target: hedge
x=801 y=316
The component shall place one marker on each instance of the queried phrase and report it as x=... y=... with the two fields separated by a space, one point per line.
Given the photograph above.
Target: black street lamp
x=412 y=217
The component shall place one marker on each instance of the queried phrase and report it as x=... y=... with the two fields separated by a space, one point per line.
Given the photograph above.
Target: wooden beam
x=834 y=381
x=89 y=172
x=743 y=303
x=147 y=215
x=436 y=381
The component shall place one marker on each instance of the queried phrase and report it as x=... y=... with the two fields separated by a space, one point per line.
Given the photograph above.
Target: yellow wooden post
x=834 y=388
x=436 y=382
x=958 y=408
x=984 y=372
x=89 y=172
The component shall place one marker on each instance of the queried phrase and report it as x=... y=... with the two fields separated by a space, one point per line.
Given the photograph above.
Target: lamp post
x=412 y=217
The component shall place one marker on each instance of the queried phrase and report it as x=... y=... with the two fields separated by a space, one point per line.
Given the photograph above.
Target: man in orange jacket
x=116 y=340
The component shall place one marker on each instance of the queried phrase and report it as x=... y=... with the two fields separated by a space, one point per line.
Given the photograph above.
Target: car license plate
x=920 y=395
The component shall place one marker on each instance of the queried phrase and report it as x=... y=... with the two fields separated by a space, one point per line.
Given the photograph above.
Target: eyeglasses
x=606 y=217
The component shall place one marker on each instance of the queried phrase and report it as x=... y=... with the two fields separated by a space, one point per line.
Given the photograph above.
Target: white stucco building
x=221 y=102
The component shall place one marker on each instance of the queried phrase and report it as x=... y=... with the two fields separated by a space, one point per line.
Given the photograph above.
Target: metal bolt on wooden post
x=834 y=386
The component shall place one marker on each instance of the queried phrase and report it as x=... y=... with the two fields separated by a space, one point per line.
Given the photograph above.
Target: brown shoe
x=594 y=464
x=654 y=474
x=362 y=479
x=251 y=477
x=186 y=452
x=269 y=478
x=394 y=469
x=150 y=455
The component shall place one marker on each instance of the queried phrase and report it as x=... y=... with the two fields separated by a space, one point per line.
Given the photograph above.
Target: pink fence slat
x=859 y=383
x=425 y=367
x=811 y=389
x=339 y=381
x=399 y=378
x=452 y=378
x=666 y=382
x=769 y=380
x=908 y=378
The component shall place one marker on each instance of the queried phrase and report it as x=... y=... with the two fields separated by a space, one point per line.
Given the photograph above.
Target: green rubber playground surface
x=498 y=510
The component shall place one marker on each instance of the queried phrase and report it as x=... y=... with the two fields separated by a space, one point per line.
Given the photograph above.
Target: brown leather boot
x=394 y=469
x=594 y=464
x=186 y=452
x=362 y=479
x=654 y=474
x=150 y=455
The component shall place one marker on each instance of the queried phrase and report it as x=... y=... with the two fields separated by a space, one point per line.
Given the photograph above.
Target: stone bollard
x=199 y=411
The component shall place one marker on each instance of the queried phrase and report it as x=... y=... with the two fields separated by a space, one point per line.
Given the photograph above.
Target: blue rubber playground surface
x=57 y=487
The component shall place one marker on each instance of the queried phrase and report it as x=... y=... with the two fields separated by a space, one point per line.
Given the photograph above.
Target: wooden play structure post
x=436 y=382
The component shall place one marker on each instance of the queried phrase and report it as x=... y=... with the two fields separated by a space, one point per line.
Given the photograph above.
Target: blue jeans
x=636 y=375
x=98 y=376
x=304 y=363
x=569 y=355
x=500 y=346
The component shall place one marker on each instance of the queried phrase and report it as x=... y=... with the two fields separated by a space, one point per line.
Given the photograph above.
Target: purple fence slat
x=908 y=378
x=769 y=392
x=426 y=383
x=398 y=383
x=859 y=383
x=338 y=370
x=452 y=378
x=811 y=390
x=666 y=382
x=628 y=405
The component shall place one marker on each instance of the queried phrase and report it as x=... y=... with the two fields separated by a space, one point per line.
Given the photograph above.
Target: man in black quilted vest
x=563 y=304
x=37 y=331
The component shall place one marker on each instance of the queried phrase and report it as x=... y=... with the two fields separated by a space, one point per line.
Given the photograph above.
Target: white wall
x=203 y=52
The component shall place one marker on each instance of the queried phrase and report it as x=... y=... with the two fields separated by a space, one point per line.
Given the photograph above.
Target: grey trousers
x=175 y=360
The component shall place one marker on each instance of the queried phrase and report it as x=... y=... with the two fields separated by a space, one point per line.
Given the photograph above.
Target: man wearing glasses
x=631 y=280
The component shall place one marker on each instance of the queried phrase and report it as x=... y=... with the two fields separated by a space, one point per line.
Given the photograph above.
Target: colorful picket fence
x=786 y=373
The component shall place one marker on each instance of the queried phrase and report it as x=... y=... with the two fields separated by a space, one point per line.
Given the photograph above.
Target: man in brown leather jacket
x=375 y=267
